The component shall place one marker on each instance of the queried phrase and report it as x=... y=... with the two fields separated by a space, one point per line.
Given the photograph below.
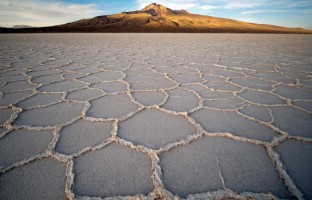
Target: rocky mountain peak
x=157 y=9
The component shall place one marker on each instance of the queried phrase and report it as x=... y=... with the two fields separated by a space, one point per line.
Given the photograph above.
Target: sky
x=289 y=13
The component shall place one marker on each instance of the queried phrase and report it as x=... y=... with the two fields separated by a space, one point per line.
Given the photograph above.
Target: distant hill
x=157 y=18
x=21 y=26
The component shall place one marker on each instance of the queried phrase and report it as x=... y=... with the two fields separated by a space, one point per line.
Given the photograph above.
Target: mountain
x=157 y=18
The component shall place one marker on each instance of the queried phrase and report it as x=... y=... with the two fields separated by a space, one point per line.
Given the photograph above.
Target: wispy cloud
x=43 y=13
x=209 y=7
x=306 y=11
x=244 y=4
x=250 y=12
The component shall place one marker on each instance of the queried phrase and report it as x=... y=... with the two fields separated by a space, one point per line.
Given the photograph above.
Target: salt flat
x=155 y=116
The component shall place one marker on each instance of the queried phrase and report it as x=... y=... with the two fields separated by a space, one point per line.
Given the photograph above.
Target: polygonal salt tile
x=304 y=83
x=274 y=76
x=43 y=72
x=84 y=94
x=82 y=133
x=307 y=88
x=154 y=129
x=240 y=69
x=181 y=100
x=89 y=79
x=87 y=70
x=41 y=179
x=13 y=98
x=263 y=68
x=261 y=97
x=164 y=69
x=111 y=87
x=19 y=64
x=16 y=86
x=149 y=98
x=184 y=70
x=257 y=112
x=134 y=71
x=226 y=73
x=199 y=88
x=40 y=66
x=227 y=103
x=252 y=83
x=186 y=78
x=143 y=78
x=209 y=95
x=292 y=120
x=13 y=78
x=51 y=115
x=222 y=86
x=293 y=92
x=63 y=86
x=5 y=115
x=230 y=122
x=71 y=67
x=295 y=75
x=40 y=99
x=47 y=79
x=209 y=77
x=207 y=69
x=71 y=75
x=112 y=106
x=21 y=144
x=114 y=67
x=202 y=166
x=3 y=130
x=108 y=76
x=307 y=105
x=163 y=83
x=114 y=170
x=296 y=157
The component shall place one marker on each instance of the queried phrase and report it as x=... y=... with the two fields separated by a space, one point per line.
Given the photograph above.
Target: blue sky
x=290 y=13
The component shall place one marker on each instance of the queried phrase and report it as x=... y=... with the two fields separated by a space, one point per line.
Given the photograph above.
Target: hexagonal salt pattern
x=232 y=123
x=40 y=99
x=149 y=98
x=154 y=129
x=225 y=163
x=181 y=100
x=81 y=134
x=51 y=115
x=105 y=172
x=41 y=179
x=301 y=122
x=112 y=106
x=18 y=145
x=297 y=158
x=155 y=116
x=5 y=115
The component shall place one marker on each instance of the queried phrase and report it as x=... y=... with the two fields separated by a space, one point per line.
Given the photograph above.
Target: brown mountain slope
x=157 y=18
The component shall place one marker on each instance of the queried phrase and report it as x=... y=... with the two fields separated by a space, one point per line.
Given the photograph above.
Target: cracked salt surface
x=84 y=116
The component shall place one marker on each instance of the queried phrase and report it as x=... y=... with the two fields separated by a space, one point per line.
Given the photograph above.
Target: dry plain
x=155 y=116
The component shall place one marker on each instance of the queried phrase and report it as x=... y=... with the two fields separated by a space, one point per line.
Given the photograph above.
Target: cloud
x=250 y=12
x=244 y=4
x=306 y=11
x=43 y=13
x=208 y=7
